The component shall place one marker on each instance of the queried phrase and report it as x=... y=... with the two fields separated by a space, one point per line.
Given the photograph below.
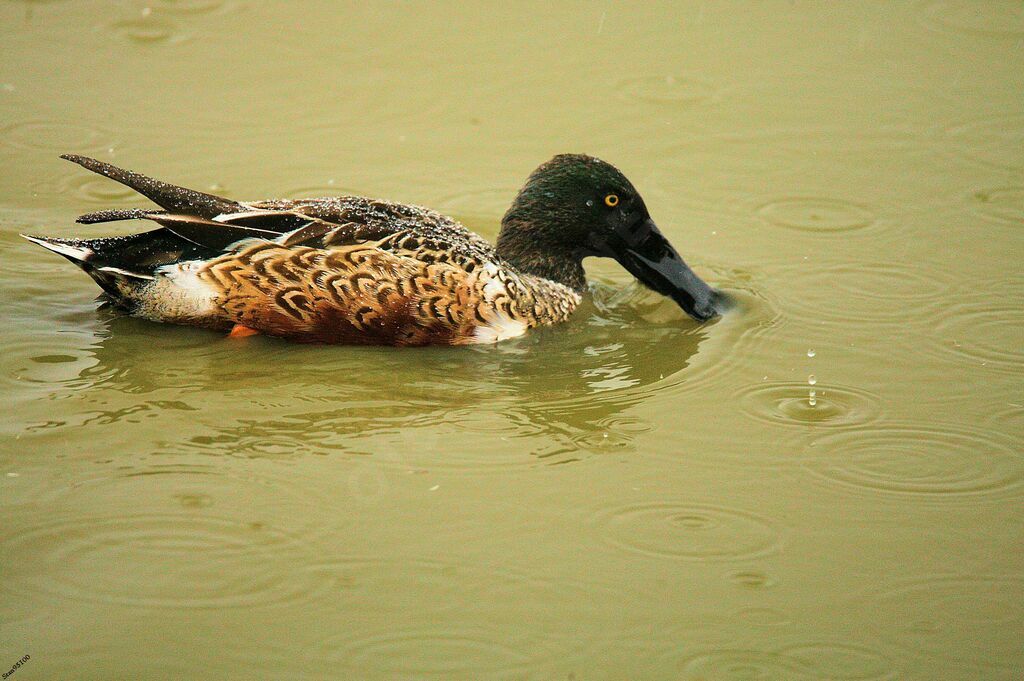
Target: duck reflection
x=551 y=397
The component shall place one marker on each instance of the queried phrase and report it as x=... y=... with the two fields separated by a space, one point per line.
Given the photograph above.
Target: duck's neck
x=524 y=247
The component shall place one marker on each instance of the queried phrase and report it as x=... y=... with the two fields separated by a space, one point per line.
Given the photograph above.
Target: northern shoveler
x=350 y=269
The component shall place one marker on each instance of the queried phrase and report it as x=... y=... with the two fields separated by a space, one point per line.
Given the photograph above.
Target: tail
x=124 y=265
x=168 y=196
x=77 y=251
x=120 y=283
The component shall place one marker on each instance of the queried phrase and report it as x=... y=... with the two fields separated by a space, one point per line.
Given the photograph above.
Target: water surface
x=629 y=496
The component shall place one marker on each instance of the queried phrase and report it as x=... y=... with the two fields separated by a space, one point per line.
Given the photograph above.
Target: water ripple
x=192 y=6
x=666 y=90
x=1005 y=204
x=688 y=531
x=1008 y=417
x=441 y=651
x=981 y=329
x=762 y=617
x=817 y=214
x=993 y=18
x=790 y=404
x=812 y=660
x=842 y=662
x=149 y=30
x=483 y=206
x=723 y=665
x=435 y=448
x=428 y=643
x=994 y=141
x=967 y=619
x=315 y=191
x=99 y=190
x=72 y=558
x=634 y=330
x=385 y=583
x=919 y=459
x=751 y=579
x=58 y=136
x=844 y=291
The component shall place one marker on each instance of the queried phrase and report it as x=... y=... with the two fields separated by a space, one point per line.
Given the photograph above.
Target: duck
x=358 y=270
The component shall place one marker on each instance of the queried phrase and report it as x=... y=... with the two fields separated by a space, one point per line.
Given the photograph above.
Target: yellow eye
x=611 y=200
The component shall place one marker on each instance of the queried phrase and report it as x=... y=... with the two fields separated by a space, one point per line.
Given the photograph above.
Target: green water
x=629 y=496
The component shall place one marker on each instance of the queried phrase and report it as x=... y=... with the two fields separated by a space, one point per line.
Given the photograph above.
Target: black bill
x=649 y=257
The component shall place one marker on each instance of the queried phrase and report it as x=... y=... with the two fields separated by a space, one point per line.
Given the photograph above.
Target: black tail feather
x=167 y=196
x=114 y=215
x=77 y=251
x=141 y=253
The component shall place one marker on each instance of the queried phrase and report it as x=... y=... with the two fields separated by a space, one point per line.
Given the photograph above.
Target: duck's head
x=576 y=206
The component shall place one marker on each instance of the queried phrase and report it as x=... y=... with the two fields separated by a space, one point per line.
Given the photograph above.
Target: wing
x=347 y=294
x=191 y=217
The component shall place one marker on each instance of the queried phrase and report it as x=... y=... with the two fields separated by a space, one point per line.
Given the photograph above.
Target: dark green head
x=575 y=206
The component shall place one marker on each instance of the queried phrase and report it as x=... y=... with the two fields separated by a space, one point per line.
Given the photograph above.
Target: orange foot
x=242 y=331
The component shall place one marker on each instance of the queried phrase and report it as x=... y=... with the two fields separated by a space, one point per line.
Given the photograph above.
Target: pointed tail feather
x=117 y=282
x=75 y=250
x=114 y=215
x=167 y=196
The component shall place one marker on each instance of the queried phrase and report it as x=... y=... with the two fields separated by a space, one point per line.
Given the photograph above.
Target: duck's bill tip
x=699 y=300
x=715 y=304
x=649 y=257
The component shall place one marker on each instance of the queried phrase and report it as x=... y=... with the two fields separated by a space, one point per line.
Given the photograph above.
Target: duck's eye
x=611 y=200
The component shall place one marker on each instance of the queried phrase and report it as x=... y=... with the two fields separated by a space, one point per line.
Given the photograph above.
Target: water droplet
x=812 y=379
x=797 y=404
x=811 y=352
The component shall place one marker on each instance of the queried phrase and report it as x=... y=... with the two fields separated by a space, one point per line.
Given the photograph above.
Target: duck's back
x=369 y=218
